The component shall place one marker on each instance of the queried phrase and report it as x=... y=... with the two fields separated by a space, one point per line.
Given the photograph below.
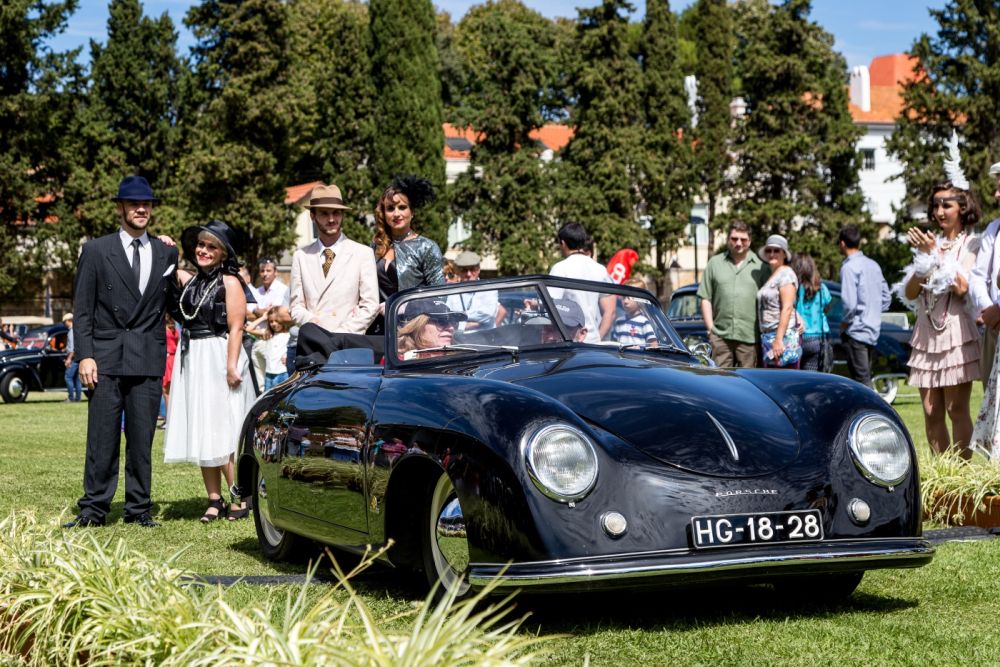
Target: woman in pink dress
x=944 y=357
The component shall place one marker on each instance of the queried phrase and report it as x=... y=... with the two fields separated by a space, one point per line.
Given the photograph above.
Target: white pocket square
x=170 y=269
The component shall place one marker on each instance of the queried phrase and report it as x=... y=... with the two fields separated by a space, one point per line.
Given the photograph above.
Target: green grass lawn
x=939 y=614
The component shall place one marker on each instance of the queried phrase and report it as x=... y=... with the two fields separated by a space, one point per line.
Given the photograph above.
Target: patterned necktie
x=328 y=262
x=136 y=269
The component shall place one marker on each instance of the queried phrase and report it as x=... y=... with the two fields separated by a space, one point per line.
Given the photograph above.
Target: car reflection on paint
x=548 y=464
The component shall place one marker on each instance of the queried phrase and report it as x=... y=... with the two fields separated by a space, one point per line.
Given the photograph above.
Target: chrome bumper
x=686 y=566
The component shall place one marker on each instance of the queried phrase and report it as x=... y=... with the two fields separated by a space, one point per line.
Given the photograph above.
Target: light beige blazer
x=346 y=299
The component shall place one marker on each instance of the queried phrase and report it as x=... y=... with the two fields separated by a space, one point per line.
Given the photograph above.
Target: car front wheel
x=275 y=543
x=13 y=389
x=444 y=544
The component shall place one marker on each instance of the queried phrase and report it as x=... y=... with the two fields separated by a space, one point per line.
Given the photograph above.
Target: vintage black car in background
x=891 y=351
x=518 y=453
x=35 y=365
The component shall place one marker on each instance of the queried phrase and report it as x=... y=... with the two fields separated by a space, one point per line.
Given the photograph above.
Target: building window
x=868 y=159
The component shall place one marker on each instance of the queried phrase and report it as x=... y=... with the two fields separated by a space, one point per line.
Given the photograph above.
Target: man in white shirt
x=983 y=285
x=334 y=284
x=482 y=308
x=598 y=310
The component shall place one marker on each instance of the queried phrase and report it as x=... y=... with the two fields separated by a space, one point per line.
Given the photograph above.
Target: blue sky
x=863 y=28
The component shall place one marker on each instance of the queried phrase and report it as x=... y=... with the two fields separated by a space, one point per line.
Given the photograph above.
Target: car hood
x=703 y=420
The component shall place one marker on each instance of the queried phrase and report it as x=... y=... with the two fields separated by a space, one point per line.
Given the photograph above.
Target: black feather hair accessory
x=417 y=189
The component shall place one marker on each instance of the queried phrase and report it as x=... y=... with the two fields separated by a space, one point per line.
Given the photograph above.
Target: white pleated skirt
x=205 y=414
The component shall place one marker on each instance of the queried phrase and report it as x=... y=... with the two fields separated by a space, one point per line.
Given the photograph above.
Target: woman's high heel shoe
x=219 y=506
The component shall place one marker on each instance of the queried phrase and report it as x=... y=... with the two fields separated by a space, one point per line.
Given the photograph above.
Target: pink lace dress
x=945 y=341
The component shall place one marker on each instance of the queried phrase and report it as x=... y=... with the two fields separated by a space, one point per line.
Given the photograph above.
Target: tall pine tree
x=338 y=127
x=508 y=52
x=126 y=125
x=957 y=86
x=796 y=159
x=666 y=173
x=408 y=108
x=250 y=100
x=601 y=166
x=713 y=24
x=37 y=88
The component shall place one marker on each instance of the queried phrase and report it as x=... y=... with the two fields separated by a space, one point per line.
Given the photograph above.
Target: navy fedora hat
x=135 y=188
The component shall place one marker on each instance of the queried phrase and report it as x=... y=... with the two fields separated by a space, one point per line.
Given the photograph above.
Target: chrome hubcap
x=449 y=543
x=16 y=387
x=271 y=533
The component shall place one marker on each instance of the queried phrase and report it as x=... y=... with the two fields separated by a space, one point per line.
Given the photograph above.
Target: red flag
x=620 y=266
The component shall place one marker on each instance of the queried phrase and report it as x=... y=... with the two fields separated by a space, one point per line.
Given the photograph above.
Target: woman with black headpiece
x=404 y=258
x=211 y=389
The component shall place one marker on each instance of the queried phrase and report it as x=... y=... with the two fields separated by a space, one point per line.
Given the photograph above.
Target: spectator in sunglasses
x=427 y=323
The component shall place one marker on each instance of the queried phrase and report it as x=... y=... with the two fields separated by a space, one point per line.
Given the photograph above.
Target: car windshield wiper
x=469 y=347
x=664 y=347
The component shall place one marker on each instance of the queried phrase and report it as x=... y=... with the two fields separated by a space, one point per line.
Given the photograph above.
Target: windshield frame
x=536 y=282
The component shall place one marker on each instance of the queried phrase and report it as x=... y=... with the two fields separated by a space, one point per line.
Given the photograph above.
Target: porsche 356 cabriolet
x=555 y=434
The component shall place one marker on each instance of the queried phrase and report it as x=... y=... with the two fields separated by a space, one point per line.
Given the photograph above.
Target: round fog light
x=859 y=510
x=614 y=524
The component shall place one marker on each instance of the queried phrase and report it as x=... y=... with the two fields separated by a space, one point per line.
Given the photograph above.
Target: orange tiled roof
x=887 y=74
x=296 y=193
x=553 y=136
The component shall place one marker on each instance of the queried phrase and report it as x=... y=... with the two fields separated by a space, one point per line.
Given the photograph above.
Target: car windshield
x=484 y=316
x=35 y=339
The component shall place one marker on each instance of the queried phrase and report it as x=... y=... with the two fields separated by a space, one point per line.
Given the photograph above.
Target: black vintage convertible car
x=554 y=452
x=35 y=364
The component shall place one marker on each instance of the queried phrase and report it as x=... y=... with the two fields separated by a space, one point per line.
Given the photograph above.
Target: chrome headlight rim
x=852 y=442
x=531 y=437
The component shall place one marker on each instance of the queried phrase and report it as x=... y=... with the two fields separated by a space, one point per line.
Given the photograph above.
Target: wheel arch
x=409 y=485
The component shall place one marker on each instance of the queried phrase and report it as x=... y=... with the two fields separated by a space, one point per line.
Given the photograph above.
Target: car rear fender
x=27 y=373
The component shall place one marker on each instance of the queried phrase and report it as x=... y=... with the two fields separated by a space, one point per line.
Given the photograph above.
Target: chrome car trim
x=725 y=436
x=867 y=553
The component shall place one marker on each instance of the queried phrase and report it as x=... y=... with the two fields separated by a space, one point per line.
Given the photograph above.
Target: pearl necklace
x=201 y=302
x=931 y=301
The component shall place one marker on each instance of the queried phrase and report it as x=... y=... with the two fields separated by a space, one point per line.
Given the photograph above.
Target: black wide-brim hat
x=228 y=236
x=135 y=188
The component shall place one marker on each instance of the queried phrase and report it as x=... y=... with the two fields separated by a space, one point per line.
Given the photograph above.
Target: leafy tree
x=713 y=26
x=126 y=123
x=796 y=165
x=957 y=86
x=248 y=102
x=666 y=172
x=36 y=89
x=408 y=107
x=509 y=60
x=331 y=47
x=600 y=167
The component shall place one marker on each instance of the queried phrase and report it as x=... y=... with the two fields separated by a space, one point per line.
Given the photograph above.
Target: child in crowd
x=275 y=350
x=634 y=328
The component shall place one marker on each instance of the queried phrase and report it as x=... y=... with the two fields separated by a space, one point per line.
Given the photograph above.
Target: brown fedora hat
x=326 y=196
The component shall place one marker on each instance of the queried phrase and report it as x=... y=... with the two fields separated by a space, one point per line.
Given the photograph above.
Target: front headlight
x=879 y=449
x=561 y=461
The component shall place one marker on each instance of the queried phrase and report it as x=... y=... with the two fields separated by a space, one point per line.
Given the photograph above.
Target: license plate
x=726 y=530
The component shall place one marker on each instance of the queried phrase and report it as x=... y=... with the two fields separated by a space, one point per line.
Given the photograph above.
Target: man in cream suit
x=983 y=285
x=334 y=283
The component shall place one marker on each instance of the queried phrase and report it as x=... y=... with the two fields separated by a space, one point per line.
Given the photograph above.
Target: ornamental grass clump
x=952 y=486
x=81 y=597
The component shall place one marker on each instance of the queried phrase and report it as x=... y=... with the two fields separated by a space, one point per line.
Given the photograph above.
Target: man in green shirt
x=728 y=292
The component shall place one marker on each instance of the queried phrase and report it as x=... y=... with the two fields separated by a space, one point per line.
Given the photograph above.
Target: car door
x=322 y=476
x=52 y=368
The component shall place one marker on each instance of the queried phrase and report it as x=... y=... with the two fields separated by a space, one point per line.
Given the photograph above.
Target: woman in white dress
x=211 y=390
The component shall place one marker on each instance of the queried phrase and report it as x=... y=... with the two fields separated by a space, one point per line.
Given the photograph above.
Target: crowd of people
x=225 y=340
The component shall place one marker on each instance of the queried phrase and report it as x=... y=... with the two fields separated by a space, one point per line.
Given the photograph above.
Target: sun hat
x=135 y=188
x=220 y=230
x=327 y=196
x=776 y=241
x=467 y=259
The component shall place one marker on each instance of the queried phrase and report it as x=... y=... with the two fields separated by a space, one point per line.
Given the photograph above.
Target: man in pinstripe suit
x=122 y=283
